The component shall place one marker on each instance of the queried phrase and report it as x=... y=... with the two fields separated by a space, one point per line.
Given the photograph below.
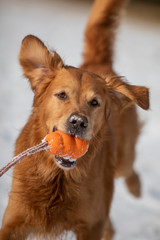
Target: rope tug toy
x=65 y=147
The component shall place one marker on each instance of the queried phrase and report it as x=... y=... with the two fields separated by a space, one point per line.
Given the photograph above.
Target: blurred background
x=60 y=24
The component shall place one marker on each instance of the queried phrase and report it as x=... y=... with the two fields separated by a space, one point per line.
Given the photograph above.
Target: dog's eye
x=94 y=103
x=61 y=95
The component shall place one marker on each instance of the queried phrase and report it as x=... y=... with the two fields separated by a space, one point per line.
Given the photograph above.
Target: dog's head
x=74 y=101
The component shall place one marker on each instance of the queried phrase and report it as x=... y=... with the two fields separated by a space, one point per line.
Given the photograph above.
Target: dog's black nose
x=77 y=124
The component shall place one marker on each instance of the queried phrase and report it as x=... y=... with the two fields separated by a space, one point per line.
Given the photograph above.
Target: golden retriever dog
x=50 y=195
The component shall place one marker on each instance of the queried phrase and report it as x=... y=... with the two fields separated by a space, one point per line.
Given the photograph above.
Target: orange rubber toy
x=64 y=145
x=57 y=143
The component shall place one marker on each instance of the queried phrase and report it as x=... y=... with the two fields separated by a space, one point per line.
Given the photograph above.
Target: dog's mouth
x=66 y=163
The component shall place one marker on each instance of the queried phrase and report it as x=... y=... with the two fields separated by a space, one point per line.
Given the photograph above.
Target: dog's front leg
x=91 y=233
x=108 y=231
x=11 y=232
x=14 y=226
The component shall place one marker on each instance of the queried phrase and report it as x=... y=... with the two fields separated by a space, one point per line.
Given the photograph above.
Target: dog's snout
x=77 y=120
x=77 y=124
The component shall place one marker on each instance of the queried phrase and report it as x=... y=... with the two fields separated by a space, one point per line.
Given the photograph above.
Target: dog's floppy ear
x=125 y=94
x=36 y=60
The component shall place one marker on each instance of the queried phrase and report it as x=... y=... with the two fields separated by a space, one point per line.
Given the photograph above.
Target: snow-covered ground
x=61 y=24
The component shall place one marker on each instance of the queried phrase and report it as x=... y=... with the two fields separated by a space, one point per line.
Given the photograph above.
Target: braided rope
x=26 y=153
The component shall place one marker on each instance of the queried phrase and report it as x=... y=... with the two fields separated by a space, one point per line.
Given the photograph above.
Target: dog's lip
x=77 y=136
x=66 y=162
x=54 y=129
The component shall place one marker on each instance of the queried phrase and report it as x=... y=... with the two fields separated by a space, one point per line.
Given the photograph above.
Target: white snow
x=60 y=24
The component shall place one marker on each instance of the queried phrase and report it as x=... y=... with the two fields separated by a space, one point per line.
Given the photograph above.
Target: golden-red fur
x=46 y=200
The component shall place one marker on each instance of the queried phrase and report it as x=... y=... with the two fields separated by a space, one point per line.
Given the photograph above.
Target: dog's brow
x=63 y=89
x=93 y=94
